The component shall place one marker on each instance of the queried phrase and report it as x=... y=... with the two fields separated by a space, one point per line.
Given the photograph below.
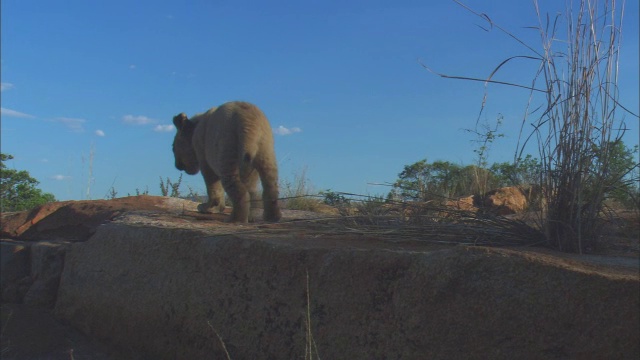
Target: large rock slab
x=14 y=271
x=181 y=292
x=32 y=243
x=30 y=271
x=47 y=262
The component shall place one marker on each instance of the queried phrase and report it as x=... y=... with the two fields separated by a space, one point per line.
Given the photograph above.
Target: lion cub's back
x=221 y=130
x=239 y=115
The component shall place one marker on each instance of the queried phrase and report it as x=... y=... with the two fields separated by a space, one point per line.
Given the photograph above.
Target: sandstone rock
x=464 y=203
x=505 y=201
x=165 y=293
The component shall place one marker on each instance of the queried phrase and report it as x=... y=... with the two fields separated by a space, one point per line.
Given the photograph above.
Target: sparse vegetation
x=338 y=201
x=298 y=194
x=111 y=194
x=622 y=182
x=442 y=180
x=578 y=131
x=521 y=172
x=484 y=140
x=170 y=188
x=436 y=181
x=167 y=188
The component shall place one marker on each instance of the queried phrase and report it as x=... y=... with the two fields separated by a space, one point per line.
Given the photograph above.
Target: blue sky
x=89 y=88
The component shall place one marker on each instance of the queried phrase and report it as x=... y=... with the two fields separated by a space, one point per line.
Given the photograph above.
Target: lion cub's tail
x=246 y=163
x=253 y=133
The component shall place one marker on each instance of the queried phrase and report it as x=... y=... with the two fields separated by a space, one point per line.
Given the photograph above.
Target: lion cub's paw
x=205 y=208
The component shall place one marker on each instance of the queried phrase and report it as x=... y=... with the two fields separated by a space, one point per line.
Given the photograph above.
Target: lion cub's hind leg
x=251 y=182
x=239 y=195
x=269 y=179
x=215 y=192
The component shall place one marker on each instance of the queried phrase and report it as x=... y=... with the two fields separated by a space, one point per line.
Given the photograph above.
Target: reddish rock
x=465 y=203
x=78 y=220
x=505 y=201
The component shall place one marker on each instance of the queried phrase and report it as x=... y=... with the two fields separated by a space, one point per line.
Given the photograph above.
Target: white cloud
x=164 y=128
x=281 y=130
x=71 y=123
x=13 y=113
x=60 y=177
x=137 y=120
x=99 y=133
x=6 y=86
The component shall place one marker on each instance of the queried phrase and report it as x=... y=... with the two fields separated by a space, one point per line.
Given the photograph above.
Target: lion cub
x=232 y=146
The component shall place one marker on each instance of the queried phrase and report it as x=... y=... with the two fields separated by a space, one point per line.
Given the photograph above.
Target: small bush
x=299 y=194
x=170 y=188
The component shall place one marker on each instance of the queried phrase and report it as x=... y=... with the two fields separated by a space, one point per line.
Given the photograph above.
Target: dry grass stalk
x=224 y=347
x=310 y=344
x=417 y=221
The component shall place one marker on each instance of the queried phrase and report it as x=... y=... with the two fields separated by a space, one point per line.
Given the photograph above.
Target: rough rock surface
x=503 y=201
x=32 y=333
x=158 y=281
x=465 y=203
x=78 y=220
x=14 y=271
x=31 y=272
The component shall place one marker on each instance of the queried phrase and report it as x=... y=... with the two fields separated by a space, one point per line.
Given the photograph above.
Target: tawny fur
x=232 y=146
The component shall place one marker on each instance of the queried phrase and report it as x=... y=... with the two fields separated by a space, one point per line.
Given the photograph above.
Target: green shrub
x=18 y=189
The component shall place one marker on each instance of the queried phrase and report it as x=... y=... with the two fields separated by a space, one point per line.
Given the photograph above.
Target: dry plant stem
x=433 y=226
x=423 y=222
x=224 y=347
x=310 y=344
x=90 y=178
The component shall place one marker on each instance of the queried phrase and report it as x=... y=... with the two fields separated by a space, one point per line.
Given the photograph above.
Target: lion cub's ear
x=179 y=120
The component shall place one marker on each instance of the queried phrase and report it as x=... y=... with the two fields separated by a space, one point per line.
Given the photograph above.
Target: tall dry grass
x=298 y=193
x=580 y=118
